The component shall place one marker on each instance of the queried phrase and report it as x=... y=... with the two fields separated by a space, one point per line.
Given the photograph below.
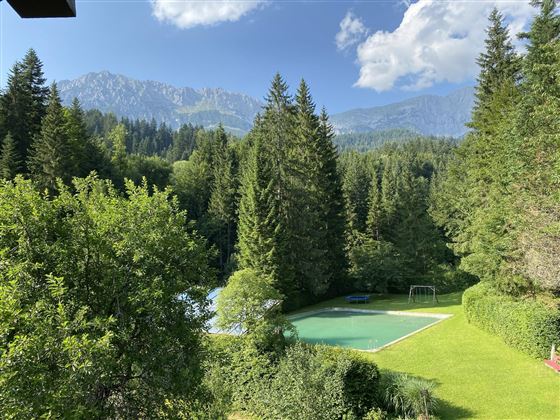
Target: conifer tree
x=223 y=197
x=499 y=73
x=375 y=211
x=117 y=138
x=308 y=222
x=32 y=69
x=10 y=162
x=254 y=236
x=78 y=140
x=356 y=181
x=277 y=139
x=23 y=104
x=51 y=152
x=330 y=184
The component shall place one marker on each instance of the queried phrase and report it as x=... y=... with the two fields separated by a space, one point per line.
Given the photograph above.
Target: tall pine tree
x=223 y=197
x=499 y=73
x=330 y=187
x=23 y=104
x=51 y=155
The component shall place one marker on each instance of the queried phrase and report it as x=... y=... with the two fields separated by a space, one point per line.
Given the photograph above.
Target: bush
x=310 y=382
x=409 y=396
x=235 y=370
x=525 y=324
x=317 y=382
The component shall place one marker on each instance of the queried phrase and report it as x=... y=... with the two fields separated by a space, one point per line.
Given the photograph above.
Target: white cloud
x=189 y=13
x=436 y=41
x=352 y=31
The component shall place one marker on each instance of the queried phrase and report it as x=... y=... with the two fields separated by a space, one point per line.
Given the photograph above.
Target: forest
x=113 y=232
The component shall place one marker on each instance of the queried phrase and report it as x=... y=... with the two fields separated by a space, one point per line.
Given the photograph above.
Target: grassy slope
x=478 y=376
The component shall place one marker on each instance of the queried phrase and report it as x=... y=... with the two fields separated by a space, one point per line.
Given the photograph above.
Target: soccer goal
x=422 y=294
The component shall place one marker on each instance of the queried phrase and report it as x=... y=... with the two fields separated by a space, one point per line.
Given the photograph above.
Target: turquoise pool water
x=357 y=330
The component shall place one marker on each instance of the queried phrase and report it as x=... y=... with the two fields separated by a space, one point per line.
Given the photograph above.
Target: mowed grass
x=477 y=375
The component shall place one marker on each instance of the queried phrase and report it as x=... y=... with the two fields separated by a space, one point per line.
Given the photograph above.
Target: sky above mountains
x=353 y=53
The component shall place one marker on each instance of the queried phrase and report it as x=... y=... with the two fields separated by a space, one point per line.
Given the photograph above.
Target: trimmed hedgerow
x=525 y=324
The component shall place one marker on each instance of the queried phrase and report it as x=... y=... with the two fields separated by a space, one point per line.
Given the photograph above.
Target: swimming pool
x=360 y=329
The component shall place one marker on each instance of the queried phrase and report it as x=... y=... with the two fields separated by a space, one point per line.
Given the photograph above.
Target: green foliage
x=235 y=369
x=51 y=156
x=154 y=169
x=318 y=383
x=93 y=302
x=374 y=265
x=305 y=385
x=10 y=163
x=291 y=223
x=311 y=382
x=23 y=104
x=409 y=396
x=366 y=141
x=393 y=239
x=527 y=324
x=207 y=187
x=251 y=303
x=499 y=69
x=498 y=200
x=375 y=414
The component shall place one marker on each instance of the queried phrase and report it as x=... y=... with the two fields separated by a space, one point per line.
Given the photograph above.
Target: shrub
x=235 y=370
x=317 y=382
x=361 y=380
x=375 y=414
x=409 y=396
x=525 y=324
x=310 y=382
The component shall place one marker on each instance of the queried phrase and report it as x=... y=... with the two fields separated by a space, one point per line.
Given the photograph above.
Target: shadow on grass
x=445 y=409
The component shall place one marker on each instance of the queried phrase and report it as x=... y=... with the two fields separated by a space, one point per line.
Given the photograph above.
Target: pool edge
x=440 y=317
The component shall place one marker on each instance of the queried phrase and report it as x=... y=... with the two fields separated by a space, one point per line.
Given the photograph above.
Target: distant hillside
x=363 y=142
x=175 y=106
x=126 y=97
x=427 y=115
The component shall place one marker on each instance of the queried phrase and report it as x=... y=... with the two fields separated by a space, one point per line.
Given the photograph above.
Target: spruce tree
x=223 y=197
x=356 y=182
x=32 y=68
x=23 y=104
x=254 y=236
x=330 y=185
x=277 y=135
x=375 y=211
x=78 y=138
x=499 y=73
x=308 y=221
x=119 y=159
x=50 y=157
x=10 y=163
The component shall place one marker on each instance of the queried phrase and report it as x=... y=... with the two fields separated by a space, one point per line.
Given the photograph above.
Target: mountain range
x=127 y=97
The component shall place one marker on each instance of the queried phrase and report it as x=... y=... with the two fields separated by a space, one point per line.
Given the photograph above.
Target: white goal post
x=417 y=290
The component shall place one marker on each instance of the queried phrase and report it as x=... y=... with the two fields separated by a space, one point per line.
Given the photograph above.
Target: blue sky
x=352 y=53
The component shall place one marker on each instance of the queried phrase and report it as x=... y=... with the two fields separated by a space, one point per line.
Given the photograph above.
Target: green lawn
x=478 y=376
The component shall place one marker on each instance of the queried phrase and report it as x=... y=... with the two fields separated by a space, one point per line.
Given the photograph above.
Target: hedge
x=528 y=325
